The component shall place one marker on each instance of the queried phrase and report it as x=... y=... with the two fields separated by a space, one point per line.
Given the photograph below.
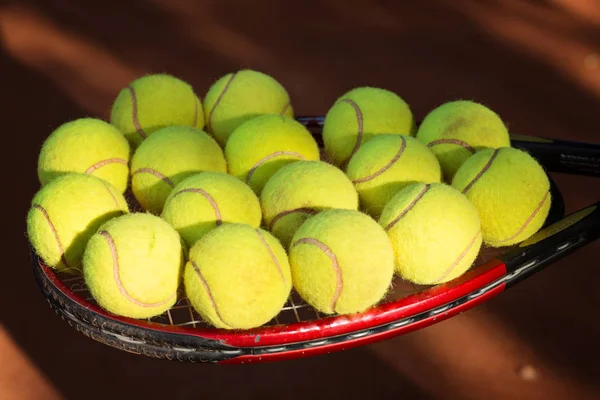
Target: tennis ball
x=342 y=261
x=435 y=232
x=237 y=277
x=359 y=115
x=262 y=145
x=301 y=189
x=455 y=130
x=511 y=191
x=65 y=213
x=206 y=200
x=386 y=164
x=166 y=158
x=132 y=265
x=86 y=145
x=152 y=102
x=240 y=96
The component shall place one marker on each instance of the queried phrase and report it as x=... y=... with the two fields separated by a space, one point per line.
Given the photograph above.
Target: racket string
x=295 y=310
x=182 y=313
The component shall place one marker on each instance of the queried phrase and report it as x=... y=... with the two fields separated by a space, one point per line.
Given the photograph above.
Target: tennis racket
x=300 y=331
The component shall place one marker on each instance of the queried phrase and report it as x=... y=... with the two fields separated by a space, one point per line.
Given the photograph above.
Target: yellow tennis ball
x=240 y=96
x=386 y=164
x=166 y=158
x=301 y=189
x=86 y=145
x=237 y=277
x=206 y=200
x=510 y=189
x=262 y=145
x=455 y=130
x=435 y=232
x=361 y=114
x=342 y=261
x=152 y=102
x=132 y=265
x=65 y=213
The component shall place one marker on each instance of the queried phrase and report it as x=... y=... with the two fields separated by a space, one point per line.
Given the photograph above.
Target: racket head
x=298 y=331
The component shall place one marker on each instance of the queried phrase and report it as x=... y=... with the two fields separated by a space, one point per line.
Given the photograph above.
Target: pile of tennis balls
x=231 y=203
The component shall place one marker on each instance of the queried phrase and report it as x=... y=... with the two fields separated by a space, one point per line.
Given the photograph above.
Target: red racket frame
x=335 y=333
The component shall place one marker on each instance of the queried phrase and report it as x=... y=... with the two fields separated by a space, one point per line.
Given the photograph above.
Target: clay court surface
x=536 y=63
